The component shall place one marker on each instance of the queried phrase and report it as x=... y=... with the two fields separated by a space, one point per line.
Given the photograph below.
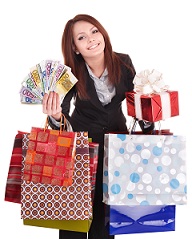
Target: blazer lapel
x=93 y=94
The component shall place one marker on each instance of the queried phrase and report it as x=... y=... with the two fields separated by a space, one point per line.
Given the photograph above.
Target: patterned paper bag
x=40 y=201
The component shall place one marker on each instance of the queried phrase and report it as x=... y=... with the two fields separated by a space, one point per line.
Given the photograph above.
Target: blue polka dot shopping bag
x=144 y=170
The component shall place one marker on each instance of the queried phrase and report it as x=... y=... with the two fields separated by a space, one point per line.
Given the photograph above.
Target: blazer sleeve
x=66 y=104
x=128 y=71
x=146 y=127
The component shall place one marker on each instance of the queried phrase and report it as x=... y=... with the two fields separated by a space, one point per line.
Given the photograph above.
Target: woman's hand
x=52 y=105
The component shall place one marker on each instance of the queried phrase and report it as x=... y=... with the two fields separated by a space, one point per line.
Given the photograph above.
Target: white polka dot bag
x=144 y=170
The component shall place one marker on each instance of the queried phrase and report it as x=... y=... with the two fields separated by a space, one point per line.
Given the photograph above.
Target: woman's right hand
x=52 y=105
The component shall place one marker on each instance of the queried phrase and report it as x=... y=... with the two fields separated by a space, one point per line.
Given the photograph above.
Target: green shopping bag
x=70 y=225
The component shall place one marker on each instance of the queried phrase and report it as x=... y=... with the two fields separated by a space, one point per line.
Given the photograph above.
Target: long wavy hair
x=77 y=63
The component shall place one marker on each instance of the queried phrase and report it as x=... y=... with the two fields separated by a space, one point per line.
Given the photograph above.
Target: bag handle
x=159 y=131
x=62 y=124
x=135 y=122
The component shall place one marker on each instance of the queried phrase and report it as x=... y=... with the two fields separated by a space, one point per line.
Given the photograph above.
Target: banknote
x=47 y=75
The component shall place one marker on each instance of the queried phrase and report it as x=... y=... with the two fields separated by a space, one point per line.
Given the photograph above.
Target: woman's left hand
x=52 y=105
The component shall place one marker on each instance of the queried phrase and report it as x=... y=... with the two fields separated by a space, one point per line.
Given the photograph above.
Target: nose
x=91 y=38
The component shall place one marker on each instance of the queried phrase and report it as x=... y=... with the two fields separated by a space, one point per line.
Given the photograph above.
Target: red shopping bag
x=50 y=156
x=13 y=183
x=93 y=155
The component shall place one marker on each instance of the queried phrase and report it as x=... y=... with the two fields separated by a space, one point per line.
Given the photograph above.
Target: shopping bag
x=144 y=170
x=122 y=219
x=93 y=155
x=42 y=201
x=13 y=183
x=50 y=156
x=70 y=225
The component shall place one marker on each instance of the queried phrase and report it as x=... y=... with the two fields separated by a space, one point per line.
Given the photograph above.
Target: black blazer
x=90 y=115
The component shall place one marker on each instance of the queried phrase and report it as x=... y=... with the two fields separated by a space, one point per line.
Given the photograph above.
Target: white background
x=155 y=33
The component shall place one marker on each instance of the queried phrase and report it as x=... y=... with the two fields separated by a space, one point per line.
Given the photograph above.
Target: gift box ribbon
x=148 y=82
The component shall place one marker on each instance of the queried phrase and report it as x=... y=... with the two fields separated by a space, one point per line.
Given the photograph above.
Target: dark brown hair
x=77 y=63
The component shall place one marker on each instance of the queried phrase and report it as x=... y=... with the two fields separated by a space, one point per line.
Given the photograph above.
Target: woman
x=103 y=78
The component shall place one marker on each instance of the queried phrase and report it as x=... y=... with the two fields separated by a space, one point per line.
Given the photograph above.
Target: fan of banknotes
x=46 y=76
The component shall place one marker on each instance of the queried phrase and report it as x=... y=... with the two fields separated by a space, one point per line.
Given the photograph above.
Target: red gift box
x=152 y=107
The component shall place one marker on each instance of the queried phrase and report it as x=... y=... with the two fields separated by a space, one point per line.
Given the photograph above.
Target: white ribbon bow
x=148 y=82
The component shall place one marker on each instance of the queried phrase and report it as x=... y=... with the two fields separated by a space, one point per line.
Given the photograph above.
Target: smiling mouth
x=92 y=47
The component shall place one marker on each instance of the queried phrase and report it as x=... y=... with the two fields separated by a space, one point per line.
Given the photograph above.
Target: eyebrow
x=84 y=32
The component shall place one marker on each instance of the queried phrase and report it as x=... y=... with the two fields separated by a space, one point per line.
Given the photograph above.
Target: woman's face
x=88 y=40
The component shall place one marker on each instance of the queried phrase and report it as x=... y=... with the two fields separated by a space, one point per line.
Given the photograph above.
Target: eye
x=95 y=31
x=81 y=38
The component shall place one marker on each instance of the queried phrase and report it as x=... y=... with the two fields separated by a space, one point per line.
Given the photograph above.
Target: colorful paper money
x=46 y=76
